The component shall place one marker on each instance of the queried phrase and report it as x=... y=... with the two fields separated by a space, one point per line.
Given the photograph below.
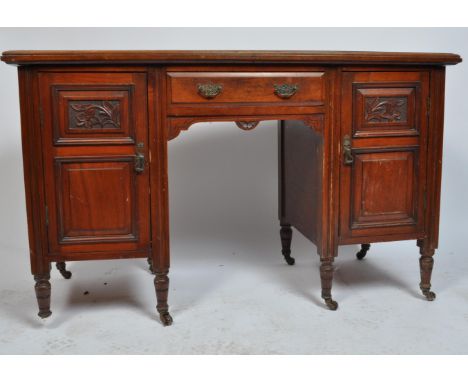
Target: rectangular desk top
x=32 y=57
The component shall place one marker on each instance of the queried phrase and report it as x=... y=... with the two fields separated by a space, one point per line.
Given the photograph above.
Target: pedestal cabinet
x=359 y=140
x=95 y=145
x=384 y=139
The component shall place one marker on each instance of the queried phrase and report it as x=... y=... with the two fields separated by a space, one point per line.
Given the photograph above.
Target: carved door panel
x=383 y=155
x=97 y=180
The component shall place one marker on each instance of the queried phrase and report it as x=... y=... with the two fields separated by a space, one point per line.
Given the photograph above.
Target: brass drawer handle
x=286 y=90
x=209 y=91
x=139 y=159
x=348 y=155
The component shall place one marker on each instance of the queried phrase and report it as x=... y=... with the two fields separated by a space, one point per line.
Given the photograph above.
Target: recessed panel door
x=383 y=155
x=97 y=178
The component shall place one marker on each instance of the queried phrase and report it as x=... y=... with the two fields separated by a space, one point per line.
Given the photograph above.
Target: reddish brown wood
x=174 y=126
x=160 y=256
x=33 y=170
x=42 y=289
x=426 y=262
x=227 y=56
x=434 y=153
x=383 y=191
x=326 y=277
x=161 y=284
x=89 y=117
x=183 y=87
x=96 y=200
x=301 y=153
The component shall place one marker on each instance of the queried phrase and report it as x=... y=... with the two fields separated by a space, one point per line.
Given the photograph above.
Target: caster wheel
x=61 y=267
x=166 y=319
x=362 y=253
x=290 y=260
x=430 y=296
x=45 y=314
x=332 y=305
x=150 y=265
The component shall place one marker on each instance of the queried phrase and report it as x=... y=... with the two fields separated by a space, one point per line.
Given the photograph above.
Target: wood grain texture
x=33 y=170
x=88 y=117
x=301 y=154
x=96 y=201
x=246 y=87
x=383 y=191
x=434 y=153
x=229 y=56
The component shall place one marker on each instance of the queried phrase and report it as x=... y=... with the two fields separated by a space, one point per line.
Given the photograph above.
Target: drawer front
x=215 y=89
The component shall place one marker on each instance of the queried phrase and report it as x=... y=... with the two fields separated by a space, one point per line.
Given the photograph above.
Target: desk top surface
x=32 y=57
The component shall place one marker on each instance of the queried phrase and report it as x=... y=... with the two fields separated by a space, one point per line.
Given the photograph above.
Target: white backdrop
x=223 y=181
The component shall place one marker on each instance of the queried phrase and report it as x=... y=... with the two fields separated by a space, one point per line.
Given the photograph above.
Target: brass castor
x=44 y=314
x=61 y=266
x=332 y=304
x=430 y=296
x=166 y=318
x=286 y=237
x=290 y=260
x=150 y=264
x=362 y=253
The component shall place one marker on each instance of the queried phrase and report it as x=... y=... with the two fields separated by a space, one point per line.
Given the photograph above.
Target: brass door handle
x=139 y=164
x=209 y=90
x=347 y=153
x=286 y=90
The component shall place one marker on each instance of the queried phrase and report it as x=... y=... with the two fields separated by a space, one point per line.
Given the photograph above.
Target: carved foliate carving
x=92 y=115
x=247 y=125
x=386 y=109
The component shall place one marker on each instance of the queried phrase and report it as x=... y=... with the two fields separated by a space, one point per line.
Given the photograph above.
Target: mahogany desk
x=360 y=148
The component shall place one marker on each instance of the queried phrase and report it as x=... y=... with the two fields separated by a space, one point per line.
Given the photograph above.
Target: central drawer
x=195 y=93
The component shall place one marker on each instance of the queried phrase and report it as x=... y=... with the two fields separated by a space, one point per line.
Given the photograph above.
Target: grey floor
x=236 y=296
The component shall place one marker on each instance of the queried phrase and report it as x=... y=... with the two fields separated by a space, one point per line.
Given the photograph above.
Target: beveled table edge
x=37 y=57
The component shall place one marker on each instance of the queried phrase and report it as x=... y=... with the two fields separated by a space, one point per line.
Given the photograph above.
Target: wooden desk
x=360 y=144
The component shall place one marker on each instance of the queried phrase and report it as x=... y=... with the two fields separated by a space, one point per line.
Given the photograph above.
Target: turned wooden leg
x=161 y=284
x=62 y=268
x=326 y=277
x=150 y=264
x=362 y=253
x=426 y=263
x=286 y=237
x=42 y=289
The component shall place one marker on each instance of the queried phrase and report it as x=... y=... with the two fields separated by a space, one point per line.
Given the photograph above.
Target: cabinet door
x=383 y=155
x=95 y=140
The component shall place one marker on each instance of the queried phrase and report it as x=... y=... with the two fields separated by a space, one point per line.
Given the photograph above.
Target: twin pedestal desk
x=359 y=138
